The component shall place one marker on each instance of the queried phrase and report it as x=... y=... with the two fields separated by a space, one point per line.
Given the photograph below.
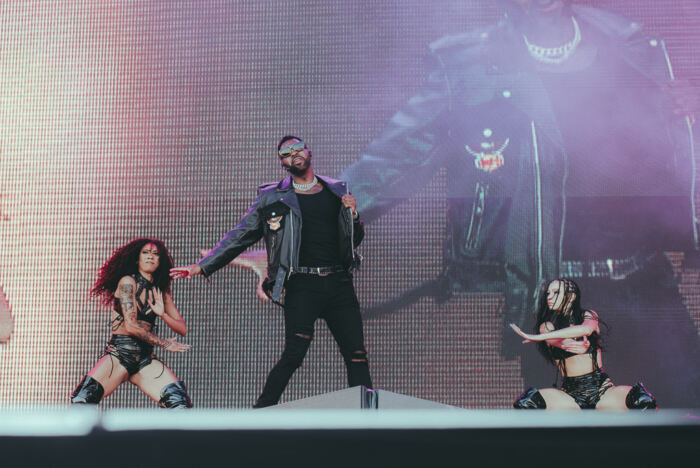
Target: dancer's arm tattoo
x=140 y=330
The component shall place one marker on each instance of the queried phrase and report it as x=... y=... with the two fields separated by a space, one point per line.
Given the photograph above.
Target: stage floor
x=331 y=438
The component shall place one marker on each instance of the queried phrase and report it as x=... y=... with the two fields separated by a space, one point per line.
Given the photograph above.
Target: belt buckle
x=320 y=273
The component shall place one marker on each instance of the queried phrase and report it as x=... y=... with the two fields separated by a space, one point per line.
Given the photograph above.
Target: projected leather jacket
x=486 y=117
x=275 y=215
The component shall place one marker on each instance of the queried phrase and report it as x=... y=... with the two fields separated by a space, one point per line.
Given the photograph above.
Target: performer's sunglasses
x=286 y=151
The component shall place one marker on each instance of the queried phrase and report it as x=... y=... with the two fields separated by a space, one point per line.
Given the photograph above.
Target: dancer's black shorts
x=587 y=389
x=134 y=354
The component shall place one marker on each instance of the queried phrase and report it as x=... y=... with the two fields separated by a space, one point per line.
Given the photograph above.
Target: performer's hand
x=156 y=303
x=577 y=347
x=685 y=98
x=528 y=338
x=185 y=272
x=349 y=201
x=175 y=346
x=255 y=260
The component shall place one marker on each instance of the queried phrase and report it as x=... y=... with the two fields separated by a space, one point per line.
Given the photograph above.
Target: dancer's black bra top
x=143 y=309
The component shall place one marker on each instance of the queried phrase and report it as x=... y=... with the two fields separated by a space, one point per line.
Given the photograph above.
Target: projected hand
x=7 y=323
x=255 y=260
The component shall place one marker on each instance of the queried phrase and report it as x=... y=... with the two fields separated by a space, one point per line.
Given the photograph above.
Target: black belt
x=615 y=269
x=320 y=271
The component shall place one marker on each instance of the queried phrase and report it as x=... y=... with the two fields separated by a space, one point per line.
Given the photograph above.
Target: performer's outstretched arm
x=247 y=232
x=588 y=327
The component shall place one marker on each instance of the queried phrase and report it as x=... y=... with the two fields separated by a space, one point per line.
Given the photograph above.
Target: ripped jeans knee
x=358 y=368
x=295 y=349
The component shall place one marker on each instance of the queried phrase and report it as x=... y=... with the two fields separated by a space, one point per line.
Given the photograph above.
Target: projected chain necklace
x=305 y=187
x=555 y=55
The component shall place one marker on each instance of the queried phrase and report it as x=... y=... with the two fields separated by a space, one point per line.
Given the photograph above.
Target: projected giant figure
x=569 y=153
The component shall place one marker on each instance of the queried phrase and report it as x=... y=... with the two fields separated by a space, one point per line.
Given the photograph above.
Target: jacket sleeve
x=406 y=154
x=247 y=232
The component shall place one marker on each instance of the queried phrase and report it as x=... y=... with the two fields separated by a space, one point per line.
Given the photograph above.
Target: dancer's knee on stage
x=174 y=395
x=530 y=399
x=640 y=398
x=88 y=391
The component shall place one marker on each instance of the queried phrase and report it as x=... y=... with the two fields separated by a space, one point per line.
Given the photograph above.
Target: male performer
x=569 y=150
x=311 y=230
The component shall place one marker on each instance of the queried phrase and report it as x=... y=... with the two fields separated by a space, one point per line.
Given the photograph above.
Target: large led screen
x=478 y=172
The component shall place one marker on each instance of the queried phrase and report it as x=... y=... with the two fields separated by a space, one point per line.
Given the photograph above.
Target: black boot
x=639 y=398
x=531 y=399
x=175 y=395
x=88 y=390
x=262 y=403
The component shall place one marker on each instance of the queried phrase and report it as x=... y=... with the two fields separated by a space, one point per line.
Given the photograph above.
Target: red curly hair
x=124 y=262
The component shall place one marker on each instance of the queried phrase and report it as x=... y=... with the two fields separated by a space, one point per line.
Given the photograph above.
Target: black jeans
x=309 y=297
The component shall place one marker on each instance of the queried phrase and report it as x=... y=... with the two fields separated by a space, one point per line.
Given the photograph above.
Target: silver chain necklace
x=555 y=55
x=305 y=187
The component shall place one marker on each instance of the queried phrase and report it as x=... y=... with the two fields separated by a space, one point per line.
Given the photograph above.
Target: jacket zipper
x=538 y=194
x=475 y=221
x=565 y=179
x=294 y=247
x=352 y=228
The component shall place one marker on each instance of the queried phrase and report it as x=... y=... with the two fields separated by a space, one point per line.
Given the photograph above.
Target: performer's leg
x=301 y=308
x=614 y=398
x=160 y=383
x=345 y=323
x=547 y=398
x=625 y=397
x=101 y=381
